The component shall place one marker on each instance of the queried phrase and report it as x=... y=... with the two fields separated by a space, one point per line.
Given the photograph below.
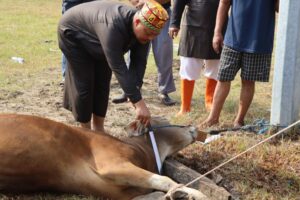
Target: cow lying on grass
x=38 y=154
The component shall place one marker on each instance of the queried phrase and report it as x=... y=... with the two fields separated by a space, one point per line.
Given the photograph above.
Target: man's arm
x=178 y=8
x=138 y=60
x=112 y=42
x=222 y=16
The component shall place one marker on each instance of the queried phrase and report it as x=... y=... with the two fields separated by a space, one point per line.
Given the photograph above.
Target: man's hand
x=217 y=42
x=142 y=112
x=222 y=16
x=173 y=32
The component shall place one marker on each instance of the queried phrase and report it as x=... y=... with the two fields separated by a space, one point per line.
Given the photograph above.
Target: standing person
x=195 y=47
x=162 y=47
x=66 y=5
x=247 y=46
x=94 y=37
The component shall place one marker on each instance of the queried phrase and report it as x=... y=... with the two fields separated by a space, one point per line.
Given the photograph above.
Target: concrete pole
x=286 y=82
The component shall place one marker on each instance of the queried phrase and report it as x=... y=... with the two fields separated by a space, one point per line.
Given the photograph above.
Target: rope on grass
x=259 y=126
x=240 y=154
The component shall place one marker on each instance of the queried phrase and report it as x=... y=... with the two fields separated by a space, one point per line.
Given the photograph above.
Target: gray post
x=286 y=81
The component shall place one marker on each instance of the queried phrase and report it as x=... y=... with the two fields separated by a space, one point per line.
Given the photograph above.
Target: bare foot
x=238 y=124
x=207 y=123
x=182 y=112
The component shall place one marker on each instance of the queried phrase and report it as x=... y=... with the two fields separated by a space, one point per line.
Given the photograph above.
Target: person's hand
x=217 y=42
x=137 y=3
x=173 y=32
x=142 y=112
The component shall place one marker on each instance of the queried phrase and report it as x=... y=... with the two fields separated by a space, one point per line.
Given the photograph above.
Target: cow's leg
x=128 y=174
x=131 y=175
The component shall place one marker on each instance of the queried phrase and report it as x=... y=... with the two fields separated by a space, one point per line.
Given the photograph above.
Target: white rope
x=240 y=154
x=156 y=153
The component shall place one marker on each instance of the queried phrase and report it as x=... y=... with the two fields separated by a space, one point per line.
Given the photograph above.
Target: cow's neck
x=145 y=145
x=163 y=147
x=144 y=151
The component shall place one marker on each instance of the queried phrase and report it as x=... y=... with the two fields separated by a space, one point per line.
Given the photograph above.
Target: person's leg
x=78 y=90
x=210 y=72
x=66 y=5
x=63 y=66
x=162 y=47
x=220 y=95
x=229 y=66
x=255 y=67
x=86 y=125
x=101 y=94
x=63 y=57
x=190 y=70
x=79 y=80
x=246 y=96
x=187 y=88
x=98 y=123
x=210 y=85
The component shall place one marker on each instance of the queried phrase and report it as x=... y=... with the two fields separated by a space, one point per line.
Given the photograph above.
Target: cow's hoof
x=179 y=195
x=185 y=193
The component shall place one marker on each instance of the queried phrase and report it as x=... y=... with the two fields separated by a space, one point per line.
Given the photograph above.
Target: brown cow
x=38 y=154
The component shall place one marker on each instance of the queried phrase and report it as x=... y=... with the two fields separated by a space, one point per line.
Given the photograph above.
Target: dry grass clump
x=267 y=172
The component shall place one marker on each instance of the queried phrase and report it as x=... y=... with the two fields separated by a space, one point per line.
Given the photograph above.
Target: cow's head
x=169 y=138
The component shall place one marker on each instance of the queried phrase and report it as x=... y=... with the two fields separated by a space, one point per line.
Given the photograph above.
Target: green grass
x=28 y=30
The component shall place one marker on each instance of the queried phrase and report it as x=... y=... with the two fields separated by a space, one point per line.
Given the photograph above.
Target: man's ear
x=136 y=21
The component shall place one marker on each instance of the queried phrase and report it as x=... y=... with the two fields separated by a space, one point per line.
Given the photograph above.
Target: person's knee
x=224 y=83
x=247 y=83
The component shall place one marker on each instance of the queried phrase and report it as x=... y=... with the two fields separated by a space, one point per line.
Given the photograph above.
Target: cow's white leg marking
x=131 y=175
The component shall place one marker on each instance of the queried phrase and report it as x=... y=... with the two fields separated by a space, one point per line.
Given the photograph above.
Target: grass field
x=271 y=171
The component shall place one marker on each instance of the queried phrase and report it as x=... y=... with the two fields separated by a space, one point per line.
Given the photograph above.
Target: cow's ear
x=135 y=128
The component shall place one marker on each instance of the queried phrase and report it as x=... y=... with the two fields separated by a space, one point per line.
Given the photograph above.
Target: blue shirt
x=251 y=26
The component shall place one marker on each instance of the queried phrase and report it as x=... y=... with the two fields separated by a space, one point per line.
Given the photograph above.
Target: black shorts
x=87 y=80
x=254 y=67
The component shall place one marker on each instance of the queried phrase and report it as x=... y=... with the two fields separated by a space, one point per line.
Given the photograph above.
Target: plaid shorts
x=254 y=67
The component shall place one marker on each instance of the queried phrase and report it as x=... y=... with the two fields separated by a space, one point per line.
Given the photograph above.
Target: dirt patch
x=45 y=99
